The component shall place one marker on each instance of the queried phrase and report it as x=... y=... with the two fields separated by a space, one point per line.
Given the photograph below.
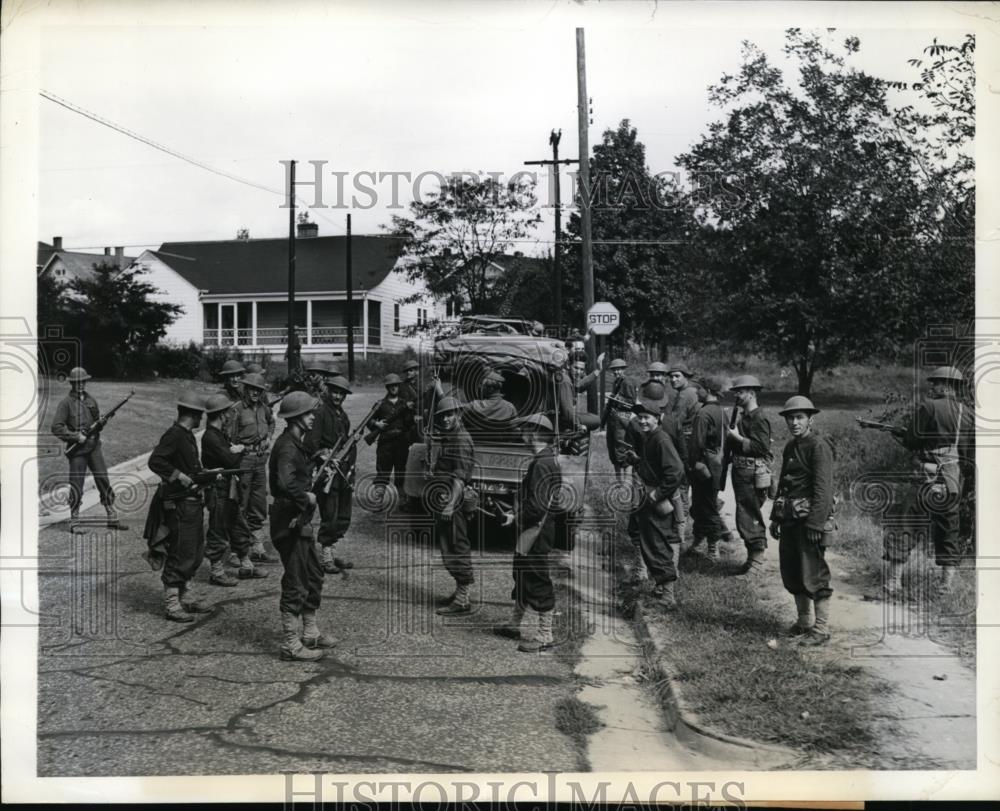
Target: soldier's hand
x=81 y=437
x=312 y=498
x=775 y=530
x=508 y=519
x=734 y=434
x=814 y=535
x=185 y=480
x=237 y=448
x=379 y=424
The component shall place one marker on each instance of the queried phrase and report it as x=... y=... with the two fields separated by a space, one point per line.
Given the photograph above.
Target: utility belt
x=762 y=479
x=258 y=448
x=745 y=461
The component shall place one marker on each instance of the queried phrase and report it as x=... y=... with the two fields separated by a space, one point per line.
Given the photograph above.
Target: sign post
x=602 y=319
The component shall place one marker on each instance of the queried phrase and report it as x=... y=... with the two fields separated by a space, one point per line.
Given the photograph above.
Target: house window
x=395 y=318
x=60 y=272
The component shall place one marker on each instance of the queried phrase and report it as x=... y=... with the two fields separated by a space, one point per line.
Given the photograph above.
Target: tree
x=818 y=262
x=639 y=229
x=453 y=236
x=112 y=316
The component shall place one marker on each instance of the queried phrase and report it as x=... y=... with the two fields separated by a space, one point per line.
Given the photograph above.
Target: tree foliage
x=452 y=237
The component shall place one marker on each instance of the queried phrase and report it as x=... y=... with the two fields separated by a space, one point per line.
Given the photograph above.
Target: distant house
x=66 y=266
x=500 y=266
x=234 y=293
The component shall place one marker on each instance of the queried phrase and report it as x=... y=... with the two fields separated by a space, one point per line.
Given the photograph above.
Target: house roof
x=44 y=252
x=80 y=265
x=261 y=265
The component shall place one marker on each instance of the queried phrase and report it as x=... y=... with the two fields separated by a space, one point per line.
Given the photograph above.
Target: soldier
x=227 y=528
x=683 y=407
x=533 y=595
x=314 y=377
x=232 y=386
x=291 y=532
x=705 y=466
x=616 y=417
x=392 y=423
x=331 y=426
x=408 y=388
x=750 y=441
x=941 y=434
x=492 y=406
x=75 y=414
x=800 y=521
x=253 y=427
x=450 y=474
x=659 y=468
x=254 y=369
x=181 y=550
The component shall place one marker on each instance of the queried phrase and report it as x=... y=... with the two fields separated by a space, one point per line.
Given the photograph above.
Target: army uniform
x=750 y=458
x=75 y=414
x=616 y=418
x=253 y=427
x=705 y=449
x=393 y=440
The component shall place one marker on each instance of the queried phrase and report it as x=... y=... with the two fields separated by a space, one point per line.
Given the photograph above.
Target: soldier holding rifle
x=78 y=423
x=253 y=427
x=616 y=416
x=705 y=466
x=290 y=478
x=232 y=386
x=392 y=426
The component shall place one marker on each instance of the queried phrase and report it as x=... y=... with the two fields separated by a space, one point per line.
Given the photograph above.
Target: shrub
x=214 y=357
x=182 y=362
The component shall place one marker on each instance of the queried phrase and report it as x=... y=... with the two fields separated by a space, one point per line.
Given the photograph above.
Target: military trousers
x=657 y=536
x=390 y=458
x=705 y=517
x=749 y=517
x=927 y=514
x=185 y=541
x=78 y=466
x=803 y=563
x=452 y=535
x=302 y=580
x=532 y=577
x=615 y=437
x=335 y=514
x=227 y=528
x=253 y=493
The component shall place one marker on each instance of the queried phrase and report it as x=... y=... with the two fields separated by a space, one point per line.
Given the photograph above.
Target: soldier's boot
x=641 y=572
x=190 y=600
x=442 y=602
x=893 y=584
x=667 y=597
x=312 y=637
x=802 y=625
x=329 y=565
x=292 y=648
x=529 y=632
x=948 y=575
x=113 y=520
x=512 y=628
x=754 y=564
x=248 y=571
x=173 y=609
x=343 y=563
x=819 y=634
x=460 y=604
x=258 y=554
x=712 y=550
x=218 y=576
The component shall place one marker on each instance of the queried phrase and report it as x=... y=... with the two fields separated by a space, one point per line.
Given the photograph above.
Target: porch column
x=364 y=325
x=309 y=322
x=219 y=305
x=253 y=322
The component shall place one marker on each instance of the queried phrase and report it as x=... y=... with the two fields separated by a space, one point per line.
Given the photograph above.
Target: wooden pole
x=586 y=254
x=293 y=341
x=350 y=305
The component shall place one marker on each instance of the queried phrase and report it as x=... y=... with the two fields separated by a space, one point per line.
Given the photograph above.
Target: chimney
x=119 y=256
x=107 y=251
x=57 y=243
x=307 y=230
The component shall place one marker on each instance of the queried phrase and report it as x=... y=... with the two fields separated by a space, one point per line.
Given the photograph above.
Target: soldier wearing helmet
x=705 y=467
x=227 y=527
x=941 y=435
x=449 y=475
x=492 y=407
x=392 y=424
x=801 y=521
x=616 y=417
x=750 y=441
x=75 y=414
x=534 y=596
x=252 y=424
x=180 y=550
x=290 y=478
x=331 y=427
x=232 y=386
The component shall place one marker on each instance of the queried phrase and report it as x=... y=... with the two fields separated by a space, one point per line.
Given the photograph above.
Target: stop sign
x=603 y=318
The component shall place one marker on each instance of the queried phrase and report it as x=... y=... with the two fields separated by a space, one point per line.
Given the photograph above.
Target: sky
x=399 y=92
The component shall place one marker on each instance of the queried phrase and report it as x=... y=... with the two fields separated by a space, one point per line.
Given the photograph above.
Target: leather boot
x=113 y=517
x=667 y=597
x=190 y=601
x=512 y=628
x=258 y=554
x=311 y=635
x=292 y=648
x=248 y=571
x=754 y=563
x=220 y=577
x=948 y=574
x=802 y=625
x=343 y=563
x=172 y=605
x=819 y=634
x=461 y=604
x=641 y=572
x=530 y=642
x=329 y=566
x=545 y=637
x=712 y=551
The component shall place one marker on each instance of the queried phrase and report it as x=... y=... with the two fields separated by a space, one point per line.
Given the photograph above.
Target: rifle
x=200 y=480
x=333 y=465
x=727 y=452
x=895 y=430
x=281 y=395
x=372 y=435
x=98 y=426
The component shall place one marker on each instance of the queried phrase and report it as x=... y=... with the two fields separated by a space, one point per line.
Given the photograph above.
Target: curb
x=685 y=724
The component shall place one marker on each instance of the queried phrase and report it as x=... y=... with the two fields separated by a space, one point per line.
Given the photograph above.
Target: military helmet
x=392 y=379
x=255 y=368
x=447 y=405
x=216 y=403
x=716 y=385
x=191 y=401
x=653 y=390
x=798 y=403
x=317 y=367
x=746 y=382
x=232 y=367
x=331 y=369
x=77 y=375
x=296 y=404
x=618 y=363
x=946 y=373
x=255 y=381
x=338 y=382
x=646 y=406
x=681 y=367
x=537 y=422
x=411 y=364
x=656 y=366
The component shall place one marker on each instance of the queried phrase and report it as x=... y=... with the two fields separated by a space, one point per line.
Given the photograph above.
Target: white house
x=66 y=266
x=234 y=293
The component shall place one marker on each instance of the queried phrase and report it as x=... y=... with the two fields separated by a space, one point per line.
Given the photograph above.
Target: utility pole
x=350 y=306
x=583 y=190
x=554 y=139
x=293 y=338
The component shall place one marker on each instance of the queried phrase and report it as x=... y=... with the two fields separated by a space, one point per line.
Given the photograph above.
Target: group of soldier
x=669 y=436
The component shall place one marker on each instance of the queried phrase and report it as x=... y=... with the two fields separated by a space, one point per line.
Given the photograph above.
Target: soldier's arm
x=668 y=462
x=287 y=469
x=161 y=459
x=60 y=427
x=821 y=502
x=758 y=444
x=916 y=434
